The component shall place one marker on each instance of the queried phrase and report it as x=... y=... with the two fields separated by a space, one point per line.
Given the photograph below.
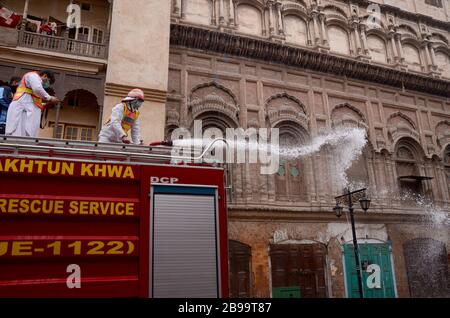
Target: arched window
x=443 y=63
x=198 y=11
x=78 y=117
x=296 y=30
x=290 y=179
x=339 y=40
x=249 y=20
x=377 y=48
x=412 y=57
x=407 y=157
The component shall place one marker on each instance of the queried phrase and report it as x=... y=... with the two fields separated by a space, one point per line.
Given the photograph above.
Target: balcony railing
x=62 y=45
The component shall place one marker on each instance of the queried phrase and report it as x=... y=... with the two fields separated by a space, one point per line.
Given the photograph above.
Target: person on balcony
x=124 y=118
x=24 y=113
x=7 y=92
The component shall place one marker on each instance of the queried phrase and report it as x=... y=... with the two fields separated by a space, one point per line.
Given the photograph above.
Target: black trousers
x=2 y=129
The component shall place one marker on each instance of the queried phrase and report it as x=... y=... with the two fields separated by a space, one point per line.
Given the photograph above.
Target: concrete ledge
x=48 y=59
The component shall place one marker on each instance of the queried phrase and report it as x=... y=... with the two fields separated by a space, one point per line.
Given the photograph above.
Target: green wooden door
x=377 y=277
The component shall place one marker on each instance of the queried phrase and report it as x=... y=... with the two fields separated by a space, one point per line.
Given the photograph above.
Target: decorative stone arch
x=412 y=146
x=293 y=128
x=333 y=12
x=296 y=9
x=90 y=96
x=215 y=119
x=400 y=126
x=442 y=48
x=383 y=37
x=415 y=44
x=437 y=37
x=259 y=5
x=335 y=45
x=350 y=115
x=378 y=32
x=443 y=133
x=291 y=110
x=80 y=102
x=213 y=84
x=255 y=3
x=215 y=98
x=407 y=31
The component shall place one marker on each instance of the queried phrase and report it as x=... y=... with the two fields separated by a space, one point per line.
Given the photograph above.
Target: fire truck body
x=87 y=220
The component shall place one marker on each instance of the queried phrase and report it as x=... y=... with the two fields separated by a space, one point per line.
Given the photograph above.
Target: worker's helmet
x=134 y=94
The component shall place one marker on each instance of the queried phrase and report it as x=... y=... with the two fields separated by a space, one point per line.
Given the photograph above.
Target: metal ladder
x=84 y=150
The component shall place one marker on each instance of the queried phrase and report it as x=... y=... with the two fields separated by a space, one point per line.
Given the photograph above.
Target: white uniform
x=113 y=131
x=24 y=117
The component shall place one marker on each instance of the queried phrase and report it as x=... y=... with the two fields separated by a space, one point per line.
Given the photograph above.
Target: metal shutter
x=185 y=263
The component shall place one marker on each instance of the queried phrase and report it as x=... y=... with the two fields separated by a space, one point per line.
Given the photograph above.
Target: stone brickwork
x=238 y=64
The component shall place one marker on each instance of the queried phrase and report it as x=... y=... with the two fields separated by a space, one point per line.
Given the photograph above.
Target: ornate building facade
x=305 y=67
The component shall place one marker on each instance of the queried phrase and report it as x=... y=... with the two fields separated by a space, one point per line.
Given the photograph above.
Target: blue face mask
x=46 y=85
x=135 y=105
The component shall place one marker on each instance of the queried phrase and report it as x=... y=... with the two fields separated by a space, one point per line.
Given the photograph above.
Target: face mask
x=46 y=85
x=135 y=105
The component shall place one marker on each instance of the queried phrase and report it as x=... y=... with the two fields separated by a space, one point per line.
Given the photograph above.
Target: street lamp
x=348 y=197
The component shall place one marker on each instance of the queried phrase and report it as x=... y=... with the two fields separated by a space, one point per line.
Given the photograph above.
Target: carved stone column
x=357 y=38
x=393 y=45
x=433 y=55
x=280 y=19
x=427 y=53
x=323 y=18
x=182 y=13
x=364 y=39
x=314 y=15
x=308 y=32
x=177 y=8
x=380 y=175
x=371 y=172
x=221 y=12
x=271 y=18
x=232 y=20
x=213 y=13
x=398 y=38
x=311 y=188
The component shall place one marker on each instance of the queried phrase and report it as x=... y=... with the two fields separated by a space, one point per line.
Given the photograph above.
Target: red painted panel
x=96 y=215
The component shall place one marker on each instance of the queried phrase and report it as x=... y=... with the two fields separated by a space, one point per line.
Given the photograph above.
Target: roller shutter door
x=184 y=236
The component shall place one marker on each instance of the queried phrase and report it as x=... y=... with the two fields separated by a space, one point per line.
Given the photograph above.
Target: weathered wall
x=140 y=60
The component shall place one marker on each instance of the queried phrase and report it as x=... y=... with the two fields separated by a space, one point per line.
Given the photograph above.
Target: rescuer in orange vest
x=24 y=113
x=124 y=119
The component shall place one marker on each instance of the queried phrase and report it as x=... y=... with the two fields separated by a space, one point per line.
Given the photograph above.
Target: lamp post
x=348 y=198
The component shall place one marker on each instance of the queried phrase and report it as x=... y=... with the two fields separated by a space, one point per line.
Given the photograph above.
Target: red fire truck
x=98 y=220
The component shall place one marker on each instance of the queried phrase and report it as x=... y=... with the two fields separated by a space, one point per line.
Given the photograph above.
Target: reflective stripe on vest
x=128 y=119
x=23 y=89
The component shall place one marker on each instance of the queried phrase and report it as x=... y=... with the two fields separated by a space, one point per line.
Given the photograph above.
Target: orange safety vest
x=23 y=89
x=128 y=119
